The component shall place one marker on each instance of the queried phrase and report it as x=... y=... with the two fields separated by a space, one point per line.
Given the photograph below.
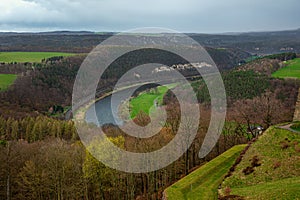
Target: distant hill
x=274 y=33
x=84 y=42
x=50 y=33
x=261 y=43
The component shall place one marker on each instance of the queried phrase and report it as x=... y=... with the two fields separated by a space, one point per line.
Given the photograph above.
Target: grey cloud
x=119 y=15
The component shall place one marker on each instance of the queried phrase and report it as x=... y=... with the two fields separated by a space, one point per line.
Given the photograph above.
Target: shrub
x=254 y=163
x=227 y=191
x=248 y=170
x=276 y=165
x=284 y=145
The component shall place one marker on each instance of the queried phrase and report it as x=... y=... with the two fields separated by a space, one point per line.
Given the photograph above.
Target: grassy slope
x=28 y=56
x=203 y=182
x=145 y=100
x=279 y=174
x=292 y=70
x=282 y=189
x=6 y=80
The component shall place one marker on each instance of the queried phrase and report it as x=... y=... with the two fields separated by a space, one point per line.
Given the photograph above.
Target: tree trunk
x=8 y=187
x=186 y=162
x=8 y=172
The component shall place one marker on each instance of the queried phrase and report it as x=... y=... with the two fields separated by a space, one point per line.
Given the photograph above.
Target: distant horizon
x=107 y=31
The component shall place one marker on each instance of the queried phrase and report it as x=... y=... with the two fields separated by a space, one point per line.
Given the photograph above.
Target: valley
x=41 y=152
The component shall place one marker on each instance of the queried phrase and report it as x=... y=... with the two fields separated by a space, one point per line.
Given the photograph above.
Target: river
x=104 y=111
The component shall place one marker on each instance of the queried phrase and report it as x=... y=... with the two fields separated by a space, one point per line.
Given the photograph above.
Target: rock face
x=297 y=108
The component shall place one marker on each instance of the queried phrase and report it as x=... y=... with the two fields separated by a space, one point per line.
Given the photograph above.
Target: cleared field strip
x=203 y=182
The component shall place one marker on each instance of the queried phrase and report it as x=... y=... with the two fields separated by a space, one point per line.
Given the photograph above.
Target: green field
x=203 y=183
x=292 y=70
x=6 y=80
x=146 y=100
x=278 y=174
x=21 y=57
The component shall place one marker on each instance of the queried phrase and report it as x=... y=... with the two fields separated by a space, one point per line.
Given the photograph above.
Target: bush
x=250 y=169
x=276 y=164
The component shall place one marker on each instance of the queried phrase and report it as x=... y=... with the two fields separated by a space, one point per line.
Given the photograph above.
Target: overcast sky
x=203 y=16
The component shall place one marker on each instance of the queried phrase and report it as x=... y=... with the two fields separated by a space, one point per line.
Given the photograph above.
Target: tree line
x=32 y=129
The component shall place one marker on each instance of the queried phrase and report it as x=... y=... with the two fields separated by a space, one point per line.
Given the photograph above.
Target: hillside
x=270 y=169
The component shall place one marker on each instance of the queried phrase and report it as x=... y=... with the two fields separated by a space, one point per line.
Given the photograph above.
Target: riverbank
x=80 y=114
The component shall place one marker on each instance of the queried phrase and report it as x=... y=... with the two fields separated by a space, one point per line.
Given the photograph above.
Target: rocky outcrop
x=297 y=108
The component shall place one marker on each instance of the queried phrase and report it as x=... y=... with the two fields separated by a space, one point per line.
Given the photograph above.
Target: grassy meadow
x=282 y=189
x=6 y=80
x=146 y=100
x=21 y=57
x=292 y=70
